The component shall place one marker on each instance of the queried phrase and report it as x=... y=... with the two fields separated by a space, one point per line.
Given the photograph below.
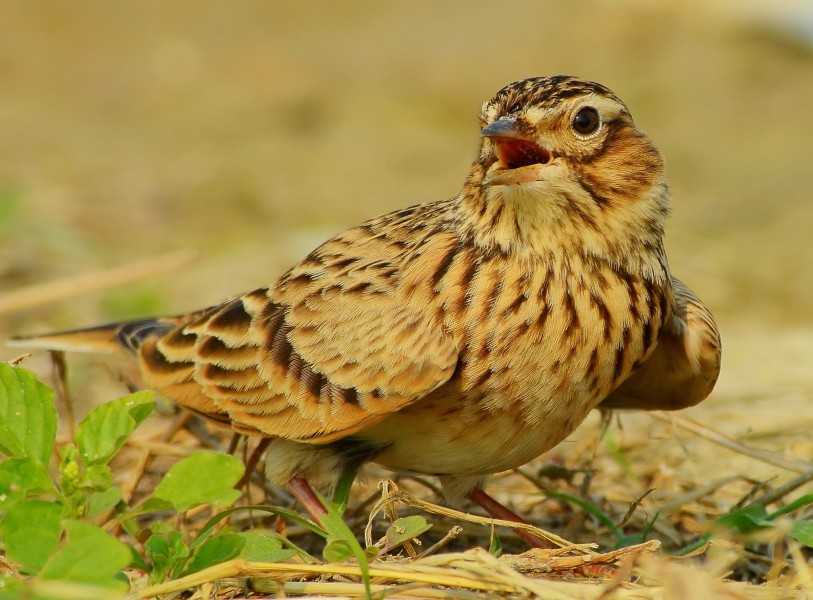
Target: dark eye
x=586 y=121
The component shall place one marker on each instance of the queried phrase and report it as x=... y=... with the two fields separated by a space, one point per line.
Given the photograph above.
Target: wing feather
x=684 y=366
x=340 y=342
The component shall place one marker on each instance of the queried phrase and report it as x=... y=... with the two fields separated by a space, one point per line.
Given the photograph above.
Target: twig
x=805 y=574
x=392 y=572
x=727 y=442
x=179 y=423
x=538 y=562
x=251 y=463
x=397 y=495
x=455 y=531
x=784 y=489
x=636 y=502
x=18 y=360
x=128 y=489
x=343 y=589
x=70 y=287
x=676 y=502
x=60 y=369
x=756 y=487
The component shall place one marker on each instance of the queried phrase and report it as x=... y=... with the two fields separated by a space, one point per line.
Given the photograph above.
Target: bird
x=455 y=338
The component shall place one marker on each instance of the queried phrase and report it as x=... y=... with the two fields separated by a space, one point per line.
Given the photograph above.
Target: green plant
x=45 y=524
x=747 y=522
x=49 y=527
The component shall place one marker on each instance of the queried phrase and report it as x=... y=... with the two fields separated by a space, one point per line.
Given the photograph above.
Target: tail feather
x=131 y=335
x=110 y=338
x=173 y=378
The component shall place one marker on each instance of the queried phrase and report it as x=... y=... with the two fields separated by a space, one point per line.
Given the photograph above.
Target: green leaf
x=98 y=477
x=693 y=545
x=340 y=538
x=649 y=526
x=157 y=544
x=215 y=550
x=802 y=532
x=264 y=546
x=166 y=553
x=208 y=528
x=20 y=478
x=151 y=505
x=286 y=513
x=156 y=550
x=136 y=560
x=495 y=546
x=103 y=501
x=337 y=551
x=203 y=478
x=627 y=540
x=88 y=556
x=342 y=494
x=105 y=429
x=27 y=415
x=587 y=507
x=746 y=519
x=31 y=532
x=9 y=444
x=12 y=588
x=404 y=529
x=799 y=502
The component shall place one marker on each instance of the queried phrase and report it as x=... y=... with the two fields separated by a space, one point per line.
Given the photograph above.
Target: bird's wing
x=339 y=343
x=684 y=366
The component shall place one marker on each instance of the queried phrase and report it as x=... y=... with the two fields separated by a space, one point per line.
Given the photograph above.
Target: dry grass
x=251 y=133
x=451 y=560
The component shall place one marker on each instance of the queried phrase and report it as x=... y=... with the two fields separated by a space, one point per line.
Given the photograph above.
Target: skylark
x=462 y=337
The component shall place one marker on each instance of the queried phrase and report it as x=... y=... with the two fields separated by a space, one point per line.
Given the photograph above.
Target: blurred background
x=250 y=132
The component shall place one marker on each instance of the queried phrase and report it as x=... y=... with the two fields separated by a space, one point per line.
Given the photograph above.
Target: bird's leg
x=498 y=511
x=304 y=494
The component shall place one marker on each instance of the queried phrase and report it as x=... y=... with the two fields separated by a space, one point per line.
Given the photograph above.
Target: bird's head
x=564 y=153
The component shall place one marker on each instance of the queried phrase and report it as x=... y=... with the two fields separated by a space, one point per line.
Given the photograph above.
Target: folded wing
x=324 y=353
x=684 y=366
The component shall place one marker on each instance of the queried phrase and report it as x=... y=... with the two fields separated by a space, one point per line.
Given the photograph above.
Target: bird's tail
x=114 y=337
x=175 y=380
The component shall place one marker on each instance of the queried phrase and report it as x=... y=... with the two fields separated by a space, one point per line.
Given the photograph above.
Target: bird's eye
x=586 y=121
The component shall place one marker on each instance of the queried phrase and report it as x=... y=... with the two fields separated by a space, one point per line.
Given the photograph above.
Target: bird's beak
x=518 y=158
x=505 y=127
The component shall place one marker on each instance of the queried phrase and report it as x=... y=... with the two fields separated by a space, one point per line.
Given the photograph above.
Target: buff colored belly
x=456 y=436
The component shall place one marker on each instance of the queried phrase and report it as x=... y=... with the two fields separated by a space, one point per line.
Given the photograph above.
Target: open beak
x=518 y=159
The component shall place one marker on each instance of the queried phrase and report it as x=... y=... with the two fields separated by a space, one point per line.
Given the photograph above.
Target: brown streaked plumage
x=683 y=368
x=463 y=337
